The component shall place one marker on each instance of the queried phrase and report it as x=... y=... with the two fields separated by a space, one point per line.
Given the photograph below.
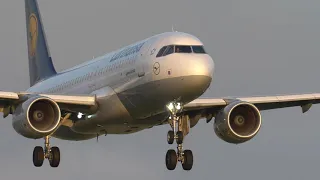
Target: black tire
x=170 y=137
x=55 y=157
x=179 y=137
x=38 y=156
x=188 y=160
x=171 y=159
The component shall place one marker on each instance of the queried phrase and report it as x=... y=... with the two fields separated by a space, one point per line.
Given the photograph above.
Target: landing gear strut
x=172 y=156
x=50 y=153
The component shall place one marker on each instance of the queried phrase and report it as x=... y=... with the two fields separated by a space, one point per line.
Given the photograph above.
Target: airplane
x=156 y=81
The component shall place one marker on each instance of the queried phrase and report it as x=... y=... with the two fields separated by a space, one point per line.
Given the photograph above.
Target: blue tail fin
x=40 y=62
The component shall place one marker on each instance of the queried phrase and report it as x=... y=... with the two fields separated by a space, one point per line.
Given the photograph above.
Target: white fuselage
x=132 y=85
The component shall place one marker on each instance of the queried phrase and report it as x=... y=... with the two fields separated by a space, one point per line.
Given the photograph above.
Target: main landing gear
x=50 y=153
x=177 y=134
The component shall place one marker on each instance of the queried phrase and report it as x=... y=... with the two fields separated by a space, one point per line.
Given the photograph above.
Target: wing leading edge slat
x=66 y=102
x=263 y=102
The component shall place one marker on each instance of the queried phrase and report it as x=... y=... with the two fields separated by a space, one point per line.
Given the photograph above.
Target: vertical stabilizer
x=40 y=62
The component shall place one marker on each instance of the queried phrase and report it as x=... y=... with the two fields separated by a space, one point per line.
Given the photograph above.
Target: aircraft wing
x=73 y=103
x=207 y=108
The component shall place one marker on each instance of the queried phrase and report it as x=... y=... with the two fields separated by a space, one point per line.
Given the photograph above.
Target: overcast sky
x=260 y=47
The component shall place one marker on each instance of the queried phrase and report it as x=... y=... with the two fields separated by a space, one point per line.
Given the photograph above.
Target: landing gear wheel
x=170 y=137
x=38 y=156
x=55 y=157
x=171 y=159
x=179 y=137
x=188 y=160
x=180 y=128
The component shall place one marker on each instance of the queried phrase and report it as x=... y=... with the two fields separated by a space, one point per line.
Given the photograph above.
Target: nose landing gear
x=185 y=157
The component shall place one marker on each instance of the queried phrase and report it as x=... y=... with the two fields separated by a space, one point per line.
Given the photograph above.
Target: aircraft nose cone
x=202 y=66
x=197 y=74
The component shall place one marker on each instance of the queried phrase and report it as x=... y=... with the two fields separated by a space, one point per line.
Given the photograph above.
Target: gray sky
x=260 y=48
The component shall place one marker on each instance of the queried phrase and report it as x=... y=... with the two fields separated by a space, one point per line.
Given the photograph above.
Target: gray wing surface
x=66 y=102
x=207 y=108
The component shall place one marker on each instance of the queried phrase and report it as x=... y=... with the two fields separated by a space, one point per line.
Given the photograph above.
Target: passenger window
x=198 y=50
x=161 y=51
x=182 y=49
x=168 y=51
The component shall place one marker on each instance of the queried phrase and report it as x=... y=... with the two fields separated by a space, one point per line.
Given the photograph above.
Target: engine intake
x=238 y=122
x=37 y=117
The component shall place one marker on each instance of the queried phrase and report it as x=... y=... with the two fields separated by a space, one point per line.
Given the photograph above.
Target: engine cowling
x=37 y=117
x=238 y=122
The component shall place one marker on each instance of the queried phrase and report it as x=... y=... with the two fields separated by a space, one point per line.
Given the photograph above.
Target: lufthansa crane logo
x=156 y=68
x=33 y=34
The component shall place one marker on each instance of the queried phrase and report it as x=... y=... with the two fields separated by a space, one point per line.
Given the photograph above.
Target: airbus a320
x=156 y=81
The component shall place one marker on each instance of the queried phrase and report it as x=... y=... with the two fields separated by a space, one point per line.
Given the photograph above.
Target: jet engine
x=238 y=122
x=37 y=117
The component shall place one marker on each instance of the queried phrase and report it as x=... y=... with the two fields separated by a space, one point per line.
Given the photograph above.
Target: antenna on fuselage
x=173 y=29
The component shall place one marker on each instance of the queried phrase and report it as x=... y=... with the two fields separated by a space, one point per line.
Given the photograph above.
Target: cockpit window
x=182 y=49
x=160 y=53
x=198 y=50
x=168 y=51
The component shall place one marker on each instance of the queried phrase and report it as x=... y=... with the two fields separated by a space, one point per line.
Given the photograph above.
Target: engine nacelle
x=238 y=122
x=37 y=117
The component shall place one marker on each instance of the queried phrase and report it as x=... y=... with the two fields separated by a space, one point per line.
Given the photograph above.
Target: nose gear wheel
x=185 y=157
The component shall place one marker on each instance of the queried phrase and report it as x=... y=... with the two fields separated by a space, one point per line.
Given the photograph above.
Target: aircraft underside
x=139 y=108
x=135 y=109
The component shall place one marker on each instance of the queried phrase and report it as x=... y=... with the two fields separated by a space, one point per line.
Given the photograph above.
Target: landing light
x=80 y=115
x=174 y=107
x=170 y=107
x=178 y=106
